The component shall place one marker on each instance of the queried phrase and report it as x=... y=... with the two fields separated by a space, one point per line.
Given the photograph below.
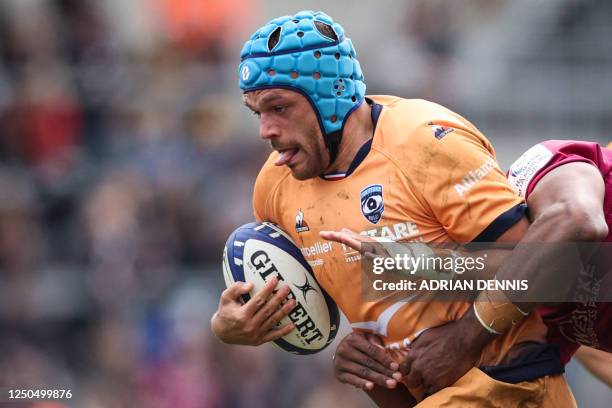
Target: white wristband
x=489 y=329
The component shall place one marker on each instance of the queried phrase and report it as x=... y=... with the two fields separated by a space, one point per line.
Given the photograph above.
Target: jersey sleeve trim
x=502 y=224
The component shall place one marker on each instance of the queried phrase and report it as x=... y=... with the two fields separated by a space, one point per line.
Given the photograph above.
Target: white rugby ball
x=256 y=253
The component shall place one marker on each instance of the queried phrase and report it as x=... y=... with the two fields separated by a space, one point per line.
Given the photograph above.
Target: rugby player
x=384 y=166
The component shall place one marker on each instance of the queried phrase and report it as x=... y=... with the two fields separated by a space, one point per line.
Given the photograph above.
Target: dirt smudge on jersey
x=343 y=195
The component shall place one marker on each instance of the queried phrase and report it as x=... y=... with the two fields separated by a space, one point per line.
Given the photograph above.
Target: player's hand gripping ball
x=258 y=252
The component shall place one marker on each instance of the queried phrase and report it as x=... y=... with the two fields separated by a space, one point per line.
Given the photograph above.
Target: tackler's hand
x=438 y=358
x=361 y=360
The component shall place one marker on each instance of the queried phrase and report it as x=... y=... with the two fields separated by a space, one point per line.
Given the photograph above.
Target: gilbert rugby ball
x=257 y=252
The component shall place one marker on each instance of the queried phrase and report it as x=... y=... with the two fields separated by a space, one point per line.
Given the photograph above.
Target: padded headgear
x=292 y=52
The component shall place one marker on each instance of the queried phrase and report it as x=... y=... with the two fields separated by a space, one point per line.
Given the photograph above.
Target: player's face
x=288 y=121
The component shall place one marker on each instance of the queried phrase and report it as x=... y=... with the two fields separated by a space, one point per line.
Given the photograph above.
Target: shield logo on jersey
x=372 y=205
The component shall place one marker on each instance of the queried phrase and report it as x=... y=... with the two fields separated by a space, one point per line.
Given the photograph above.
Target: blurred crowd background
x=126 y=159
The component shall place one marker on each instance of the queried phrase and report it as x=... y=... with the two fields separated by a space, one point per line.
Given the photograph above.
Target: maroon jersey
x=570 y=324
x=525 y=173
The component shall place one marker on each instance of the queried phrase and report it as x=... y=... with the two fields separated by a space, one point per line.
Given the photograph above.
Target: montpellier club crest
x=372 y=205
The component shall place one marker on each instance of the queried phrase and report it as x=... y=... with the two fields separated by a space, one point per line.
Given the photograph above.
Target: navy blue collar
x=364 y=149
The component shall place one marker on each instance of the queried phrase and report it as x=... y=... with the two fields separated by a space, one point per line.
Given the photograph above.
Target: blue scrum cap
x=307 y=53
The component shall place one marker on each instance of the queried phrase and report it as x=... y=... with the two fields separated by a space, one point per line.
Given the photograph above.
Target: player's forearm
x=473 y=335
x=398 y=397
x=569 y=220
x=520 y=263
x=547 y=256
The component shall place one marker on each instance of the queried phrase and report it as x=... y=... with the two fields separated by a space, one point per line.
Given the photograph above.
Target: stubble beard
x=315 y=160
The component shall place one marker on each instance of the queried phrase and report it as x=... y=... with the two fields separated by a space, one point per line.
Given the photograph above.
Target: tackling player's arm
x=565 y=206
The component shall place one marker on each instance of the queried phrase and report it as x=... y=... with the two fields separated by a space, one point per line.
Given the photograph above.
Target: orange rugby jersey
x=427 y=174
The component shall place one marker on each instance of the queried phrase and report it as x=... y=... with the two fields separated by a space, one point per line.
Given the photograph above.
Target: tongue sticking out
x=285 y=157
